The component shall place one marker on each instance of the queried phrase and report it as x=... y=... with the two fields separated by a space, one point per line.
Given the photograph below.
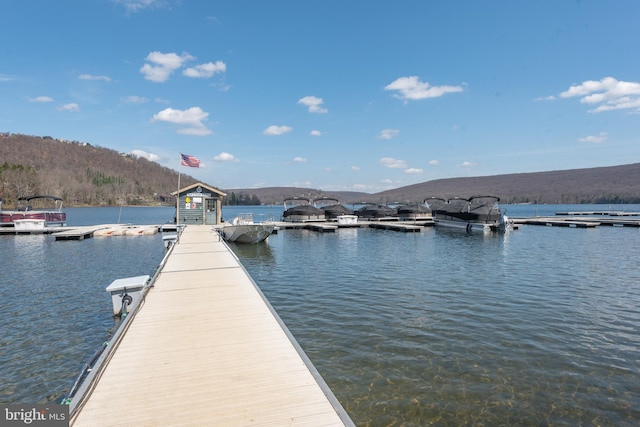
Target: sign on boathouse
x=199 y=204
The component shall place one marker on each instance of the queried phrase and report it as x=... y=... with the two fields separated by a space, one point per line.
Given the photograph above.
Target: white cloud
x=191 y=117
x=609 y=93
x=4 y=78
x=315 y=133
x=133 y=99
x=222 y=87
x=388 y=133
x=91 y=77
x=135 y=5
x=467 y=164
x=362 y=187
x=390 y=162
x=594 y=138
x=434 y=162
x=411 y=88
x=225 y=157
x=41 y=99
x=277 y=130
x=206 y=70
x=149 y=156
x=299 y=160
x=545 y=98
x=355 y=168
x=163 y=64
x=313 y=103
x=413 y=171
x=69 y=107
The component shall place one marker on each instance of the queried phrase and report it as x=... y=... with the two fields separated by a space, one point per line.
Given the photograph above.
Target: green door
x=210 y=211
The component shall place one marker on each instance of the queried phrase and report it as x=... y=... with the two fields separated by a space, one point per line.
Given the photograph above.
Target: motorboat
x=347 y=219
x=300 y=209
x=32 y=210
x=332 y=208
x=477 y=213
x=413 y=211
x=376 y=212
x=244 y=230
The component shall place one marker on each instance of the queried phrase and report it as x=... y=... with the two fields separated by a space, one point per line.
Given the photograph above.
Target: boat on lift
x=300 y=209
x=332 y=208
x=477 y=213
x=413 y=211
x=376 y=212
x=35 y=212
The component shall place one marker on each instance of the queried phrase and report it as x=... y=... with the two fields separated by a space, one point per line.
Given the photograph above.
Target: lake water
x=536 y=327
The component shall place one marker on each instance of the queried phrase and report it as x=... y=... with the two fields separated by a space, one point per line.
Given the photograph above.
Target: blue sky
x=336 y=95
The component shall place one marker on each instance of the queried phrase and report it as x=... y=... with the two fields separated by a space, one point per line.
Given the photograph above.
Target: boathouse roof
x=201 y=186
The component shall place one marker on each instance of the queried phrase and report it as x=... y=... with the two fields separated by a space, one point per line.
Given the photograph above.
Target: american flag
x=187 y=160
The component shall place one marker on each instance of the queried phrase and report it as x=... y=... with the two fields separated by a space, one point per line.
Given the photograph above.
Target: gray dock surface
x=206 y=349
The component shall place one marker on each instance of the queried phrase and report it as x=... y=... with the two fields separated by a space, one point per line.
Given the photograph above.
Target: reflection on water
x=55 y=308
x=537 y=327
x=261 y=252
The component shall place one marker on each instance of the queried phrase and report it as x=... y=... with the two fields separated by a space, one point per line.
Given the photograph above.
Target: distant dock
x=600 y=213
x=323 y=227
x=205 y=348
x=582 y=220
x=577 y=219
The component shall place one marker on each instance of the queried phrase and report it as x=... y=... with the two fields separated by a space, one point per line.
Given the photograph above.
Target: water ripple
x=447 y=328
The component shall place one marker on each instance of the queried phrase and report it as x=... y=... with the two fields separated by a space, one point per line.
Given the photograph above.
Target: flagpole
x=178 y=193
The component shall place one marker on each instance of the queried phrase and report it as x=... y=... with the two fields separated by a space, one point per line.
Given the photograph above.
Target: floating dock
x=577 y=222
x=205 y=348
x=405 y=226
x=599 y=213
x=394 y=226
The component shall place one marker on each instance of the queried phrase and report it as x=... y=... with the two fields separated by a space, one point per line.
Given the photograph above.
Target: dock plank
x=206 y=349
x=407 y=228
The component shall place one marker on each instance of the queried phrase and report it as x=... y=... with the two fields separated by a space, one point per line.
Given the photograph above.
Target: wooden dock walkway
x=206 y=349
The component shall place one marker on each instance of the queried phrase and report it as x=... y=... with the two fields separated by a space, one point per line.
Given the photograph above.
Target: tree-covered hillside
x=80 y=173
x=83 y=174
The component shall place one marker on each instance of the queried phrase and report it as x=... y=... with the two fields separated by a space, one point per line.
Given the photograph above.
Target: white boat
x=244 y=230
x=347 y=219
x=477 y=213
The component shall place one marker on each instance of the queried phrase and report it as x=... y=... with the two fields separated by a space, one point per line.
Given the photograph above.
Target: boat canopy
x=373 y=210
x=492 y=198
x=26 y=201
x=325 y=200
x=297 y=201
x=331 y=206
x=29 y=198
x=411 y=207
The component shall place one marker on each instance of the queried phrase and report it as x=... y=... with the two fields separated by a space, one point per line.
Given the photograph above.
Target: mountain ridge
x=83 y=174
x=606 y=184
